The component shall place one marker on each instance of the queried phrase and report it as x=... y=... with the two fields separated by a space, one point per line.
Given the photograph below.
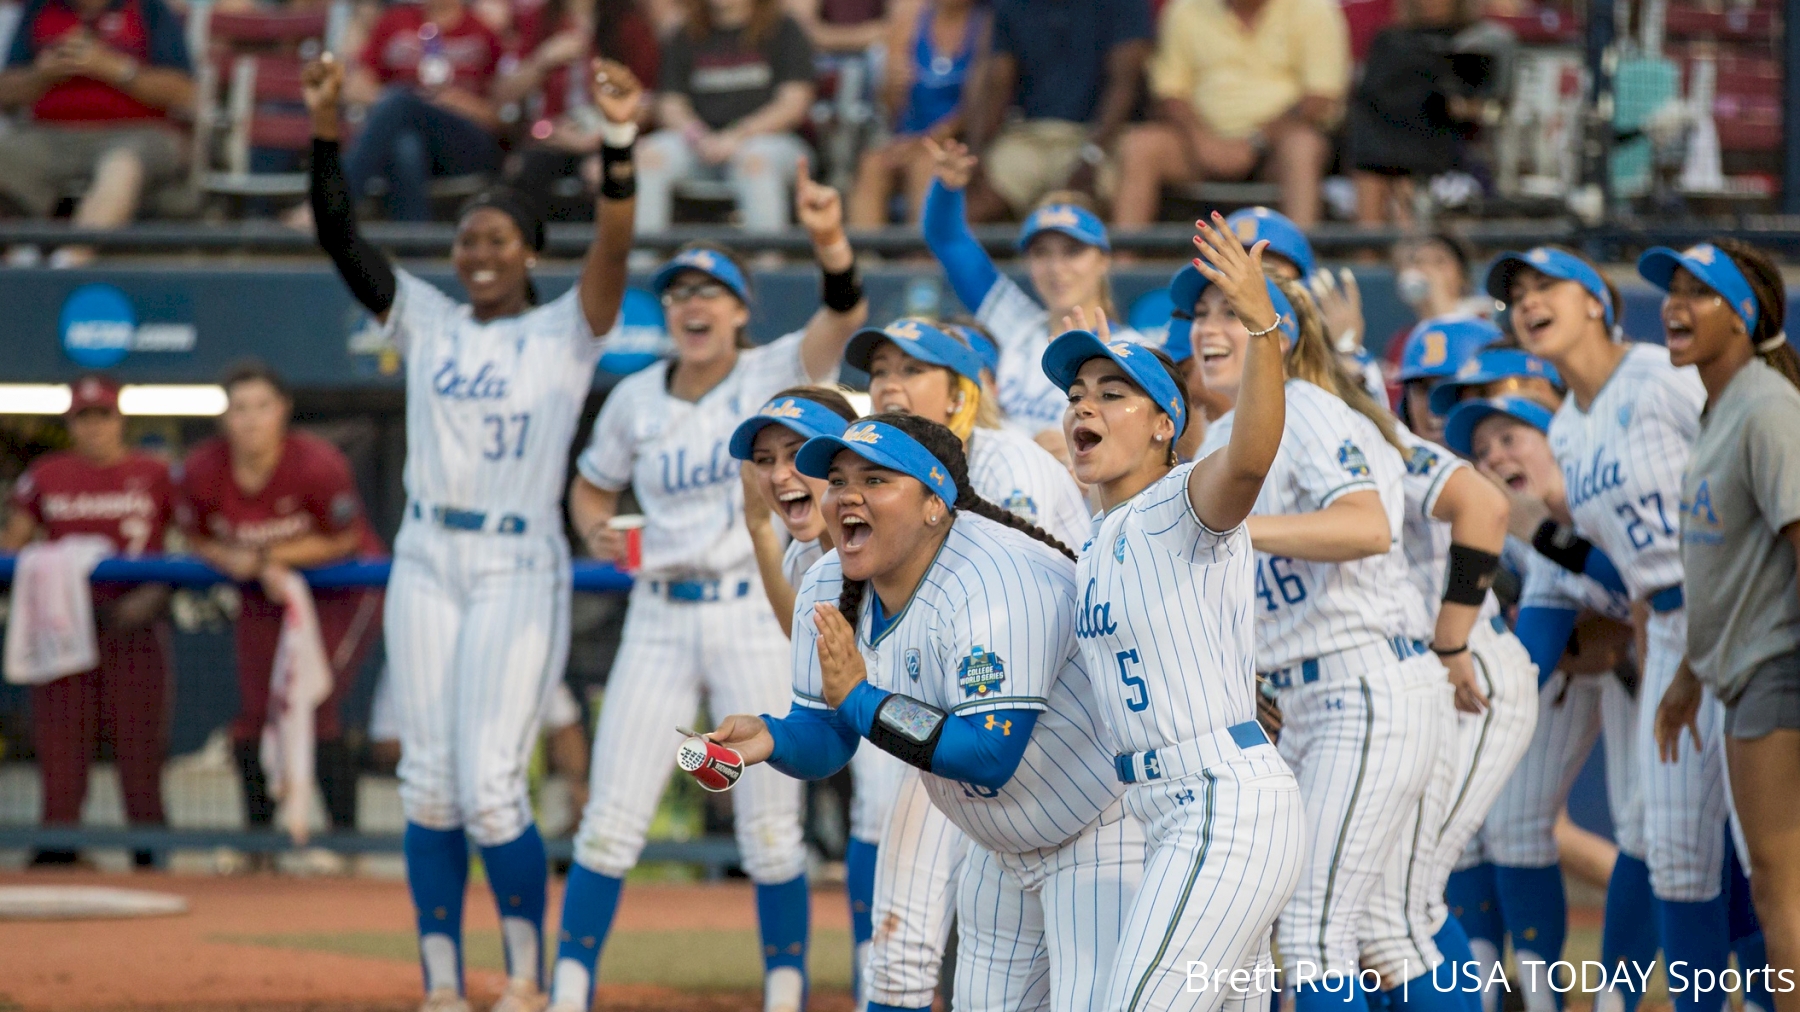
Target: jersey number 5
x=1292 y=587
x=1139 y=699
x=506 y=435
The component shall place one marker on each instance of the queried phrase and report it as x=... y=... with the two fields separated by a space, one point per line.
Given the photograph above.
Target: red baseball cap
x=91 y=392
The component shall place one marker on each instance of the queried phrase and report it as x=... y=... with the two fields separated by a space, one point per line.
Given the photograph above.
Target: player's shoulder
x=149 y=465
x=1008 y=307
x=823 y=581
x=315 y=452
x=1010 y=447
x=418 y=295
x=207 y=461
x=645 y=386
x=997 y=558
x=1424 y=458
x=53 y=465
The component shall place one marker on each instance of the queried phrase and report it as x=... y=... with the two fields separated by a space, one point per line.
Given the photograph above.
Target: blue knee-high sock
x=1536 y=913
x=1459 y=975
x=1746 y=932
x=1697 y=935
x=1474 y=899
x=590 y=900
x=437 y=872
x=784 y=917
x=1629 y=934
x=518 y=873
x=1376 y=1000
x=859 y=882
x=1335 y=994
x=1431 y=991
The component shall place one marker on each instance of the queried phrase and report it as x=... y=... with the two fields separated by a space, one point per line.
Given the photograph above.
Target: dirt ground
x=273 y=944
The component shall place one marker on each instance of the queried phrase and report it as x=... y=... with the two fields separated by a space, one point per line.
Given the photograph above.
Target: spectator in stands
x=427 y=76
x=1244 y=88
x=737 y=81
x=102 y=487
x=1072 y=69
x=935 y=53
x=257 y=502
x=550 y=84
x=100 y=79
x=843 y=26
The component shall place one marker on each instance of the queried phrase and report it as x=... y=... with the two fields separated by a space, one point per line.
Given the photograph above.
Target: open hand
x=616 y=91
x=1076 y=319
x=1461 y=668
x=1679 y=711
x=747 y=735
x=1238 y=273
x=952 y=161
x=840 y=662
x=1340 y=303
x=759 y=516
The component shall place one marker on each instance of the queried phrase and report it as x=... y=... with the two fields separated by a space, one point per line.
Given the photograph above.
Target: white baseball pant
x=916 y=870
x=1685 y=802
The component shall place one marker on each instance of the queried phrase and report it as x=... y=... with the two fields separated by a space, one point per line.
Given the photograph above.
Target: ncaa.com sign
x=99 y=327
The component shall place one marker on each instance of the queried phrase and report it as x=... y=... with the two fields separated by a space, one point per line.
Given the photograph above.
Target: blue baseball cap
x=919 y=339
x=1553 y=262
x=1067 y=354
x=1490 y=366
x=808 y=418
x=1459 y=428
x=983 y=345
x=1078 y=223
x=1185 y=290
x=1285 y=238
x=882 y=444
x=1712 y=266
x=1439 y=347
x=711 y=263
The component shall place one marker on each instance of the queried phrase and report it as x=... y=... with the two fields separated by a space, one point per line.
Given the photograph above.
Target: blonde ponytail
x=1313 y=359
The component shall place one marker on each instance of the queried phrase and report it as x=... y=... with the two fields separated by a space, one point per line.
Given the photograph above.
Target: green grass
x=696 y=960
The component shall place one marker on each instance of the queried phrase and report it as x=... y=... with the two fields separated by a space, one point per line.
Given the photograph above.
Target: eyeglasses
x=699 y=290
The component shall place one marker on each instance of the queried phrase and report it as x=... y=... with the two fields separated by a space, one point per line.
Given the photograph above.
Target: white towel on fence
x=299 y=682
x=50 y=626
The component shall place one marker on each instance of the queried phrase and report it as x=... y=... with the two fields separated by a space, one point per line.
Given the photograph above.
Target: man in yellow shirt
x=1243 y=88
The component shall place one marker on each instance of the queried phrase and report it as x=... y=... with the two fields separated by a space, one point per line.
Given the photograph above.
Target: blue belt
x=1188 y=757
x=1667 y=599
x=1308 y=669
x=699 y=591
x=453 y=519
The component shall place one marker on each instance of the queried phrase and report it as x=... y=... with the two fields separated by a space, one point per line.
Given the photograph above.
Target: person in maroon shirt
x=256 y=502
x=102 y=487
x=100 y=79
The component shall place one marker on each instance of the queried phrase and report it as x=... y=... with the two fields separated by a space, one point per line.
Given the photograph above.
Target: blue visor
x=1459 y=428
x=1078 y=223
x=1714 y=269
x=1439 y=347
x=711 y=263
x=1552 y=262
x=808 y=418
x=1185 y=290
x=1490 y=366
x=1285 y=238
x=881 y=444
x=919 y=339
x=983 y=346
x=1067 y=354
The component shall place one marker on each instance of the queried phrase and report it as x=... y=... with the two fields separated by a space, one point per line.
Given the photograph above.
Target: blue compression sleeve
x=1545 y=633
x=1601 y=570
x=983 y=750
x=810 y=744
x=946 y=226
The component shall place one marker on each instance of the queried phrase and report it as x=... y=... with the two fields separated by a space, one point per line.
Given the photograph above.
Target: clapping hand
x=840 y=662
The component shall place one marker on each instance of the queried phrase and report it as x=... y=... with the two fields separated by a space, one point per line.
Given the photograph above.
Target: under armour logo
x=1185 y=797
x=1003 y=726
x=936 y=475
x=1152 y=768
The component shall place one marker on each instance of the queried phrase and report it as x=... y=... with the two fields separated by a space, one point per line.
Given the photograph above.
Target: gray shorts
x=40 y=163
x=1770 y=700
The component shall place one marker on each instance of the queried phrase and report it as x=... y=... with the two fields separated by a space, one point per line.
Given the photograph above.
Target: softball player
x=917 y=368
x=478 y=599
x=1166 y=625
x=697 y=622
x=1508 y=881
x=1365 y=706
x=1622 y=438
x=973 y=613
x=1067 y=253
x=1436 y=350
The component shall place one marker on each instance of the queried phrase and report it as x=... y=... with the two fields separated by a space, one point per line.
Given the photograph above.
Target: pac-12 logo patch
x=912 y=663
x=1119 y=549
x=980 y=673
x=1350 y=457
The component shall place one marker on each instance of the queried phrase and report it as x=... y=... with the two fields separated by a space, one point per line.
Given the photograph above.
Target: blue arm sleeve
x=1601 y=570
x=1545 y=633
x=811 y=744
x=984 y=749
x=946 y=226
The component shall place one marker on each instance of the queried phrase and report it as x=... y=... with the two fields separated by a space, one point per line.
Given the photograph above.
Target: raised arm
x=760 y=521
x=366 y=270
x=618 y=95
x=1476 y=512
x=946 y=225
x=1353 y=527
x=842 y=309
x=1224 y=486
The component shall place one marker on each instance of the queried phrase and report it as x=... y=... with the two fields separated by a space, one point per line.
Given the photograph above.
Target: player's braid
x=982 y=508
x=1771 y=304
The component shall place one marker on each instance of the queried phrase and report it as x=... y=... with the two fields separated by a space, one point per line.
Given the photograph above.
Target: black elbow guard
x=1471 y=574
x=1562 y=546
x=908 y=730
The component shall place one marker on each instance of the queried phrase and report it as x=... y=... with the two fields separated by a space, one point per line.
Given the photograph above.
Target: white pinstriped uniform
x=477 y=619
x=1055 y=859
x=1363 y=734
x=1022 y=329
x=1481 y=754
x=673 y=454
x=1623 y=461
x=1166 y=626
x=921 y=850
x=1573 y=711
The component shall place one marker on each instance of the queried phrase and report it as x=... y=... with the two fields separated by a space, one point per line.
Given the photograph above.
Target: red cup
x=632 y=526
x=714 y=766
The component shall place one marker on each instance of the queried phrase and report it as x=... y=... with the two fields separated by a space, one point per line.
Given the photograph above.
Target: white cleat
x=521 y=996
x=444 y=999
x=566 y=1006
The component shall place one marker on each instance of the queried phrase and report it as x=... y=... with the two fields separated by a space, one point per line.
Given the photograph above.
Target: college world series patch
x=980 y=673
x=1350 y=457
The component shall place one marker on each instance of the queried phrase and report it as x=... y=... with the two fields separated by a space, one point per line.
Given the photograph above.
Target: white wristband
x=618 y=135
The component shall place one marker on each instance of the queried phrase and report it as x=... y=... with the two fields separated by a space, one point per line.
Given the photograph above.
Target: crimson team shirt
x=406 y=49
x=145 y=30
x=310 y=492
x=129 y=503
